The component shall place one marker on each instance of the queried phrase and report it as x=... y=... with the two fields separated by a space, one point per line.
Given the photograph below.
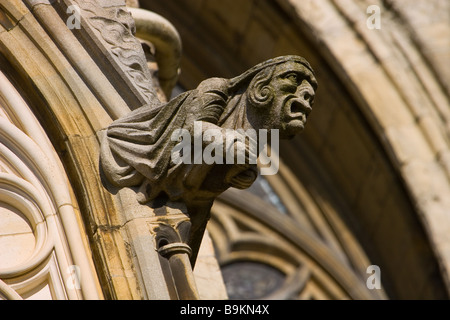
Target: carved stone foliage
x=110 y=28
x=162 y=47
x=76 y=87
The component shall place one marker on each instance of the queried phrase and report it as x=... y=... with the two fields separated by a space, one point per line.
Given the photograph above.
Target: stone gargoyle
x=137 y=150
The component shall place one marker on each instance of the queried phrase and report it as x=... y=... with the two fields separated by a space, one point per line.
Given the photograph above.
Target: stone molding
x=34 y=182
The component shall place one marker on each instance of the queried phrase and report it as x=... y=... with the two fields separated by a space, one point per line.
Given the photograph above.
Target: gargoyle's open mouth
x=298 y=110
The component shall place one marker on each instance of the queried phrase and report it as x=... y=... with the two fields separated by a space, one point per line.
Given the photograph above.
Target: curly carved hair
x=258 y=77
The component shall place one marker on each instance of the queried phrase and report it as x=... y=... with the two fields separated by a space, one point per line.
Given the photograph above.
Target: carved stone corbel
x=172 y=228
x=142 y=150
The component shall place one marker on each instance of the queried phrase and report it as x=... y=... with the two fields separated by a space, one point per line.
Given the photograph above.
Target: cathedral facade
x=359 y=206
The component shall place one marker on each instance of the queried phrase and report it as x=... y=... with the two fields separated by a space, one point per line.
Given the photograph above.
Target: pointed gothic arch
x=377 y=144
x=42 y=228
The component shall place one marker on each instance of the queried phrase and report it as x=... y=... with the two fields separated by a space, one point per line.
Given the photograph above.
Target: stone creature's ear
x=259 y=93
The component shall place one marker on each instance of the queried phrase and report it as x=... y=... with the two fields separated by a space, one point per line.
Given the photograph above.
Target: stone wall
x=376 y=147
x=368 y=183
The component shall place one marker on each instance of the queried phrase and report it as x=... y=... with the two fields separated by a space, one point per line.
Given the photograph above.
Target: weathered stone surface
x=276 y=94
x=137 y=151
x=387 y=94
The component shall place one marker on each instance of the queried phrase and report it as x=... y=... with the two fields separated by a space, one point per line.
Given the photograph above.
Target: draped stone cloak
x=136 y=150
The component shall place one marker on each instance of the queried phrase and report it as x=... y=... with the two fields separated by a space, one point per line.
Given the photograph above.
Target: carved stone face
x=294 y=89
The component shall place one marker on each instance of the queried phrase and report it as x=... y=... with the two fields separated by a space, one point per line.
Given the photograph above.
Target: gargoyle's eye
x=292 y=77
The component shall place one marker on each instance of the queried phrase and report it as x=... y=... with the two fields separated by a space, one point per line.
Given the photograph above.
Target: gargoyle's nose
x=306 y=92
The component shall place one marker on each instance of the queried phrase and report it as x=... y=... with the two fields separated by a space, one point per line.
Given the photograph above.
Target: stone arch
x=376 y=148
x=76 y=82
x=40 y=216
x=374 y=160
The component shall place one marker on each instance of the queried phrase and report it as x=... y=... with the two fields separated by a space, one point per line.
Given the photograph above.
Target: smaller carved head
x=280 y=95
